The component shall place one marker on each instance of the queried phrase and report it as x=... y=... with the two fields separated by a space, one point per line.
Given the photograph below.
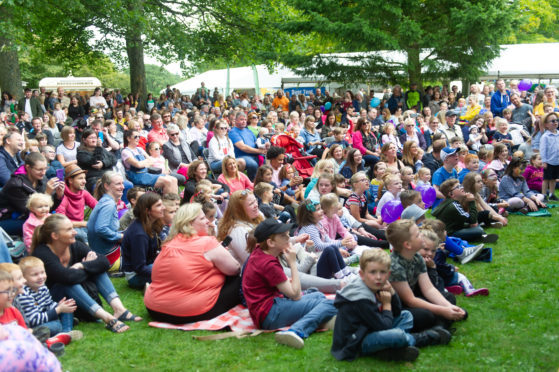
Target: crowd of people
x=197 y=202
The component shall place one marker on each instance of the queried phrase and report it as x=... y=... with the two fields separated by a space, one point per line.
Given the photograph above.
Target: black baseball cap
x=269 y=227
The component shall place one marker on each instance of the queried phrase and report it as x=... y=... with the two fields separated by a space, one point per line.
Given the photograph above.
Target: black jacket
x=86 y=160
x=359 y=315
x=7 y=165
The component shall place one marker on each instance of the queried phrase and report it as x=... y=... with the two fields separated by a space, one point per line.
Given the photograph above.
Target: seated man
x=245 y=144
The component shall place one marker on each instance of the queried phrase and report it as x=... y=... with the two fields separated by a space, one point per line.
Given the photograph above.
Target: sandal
x=127 y=316
x=115 y=326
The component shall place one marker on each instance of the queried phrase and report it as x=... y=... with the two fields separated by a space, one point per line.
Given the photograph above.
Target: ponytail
x=42 y=233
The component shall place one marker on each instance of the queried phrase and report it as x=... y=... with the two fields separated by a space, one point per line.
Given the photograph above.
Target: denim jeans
x=83 y=300
x=127 y=186
x=251 y=165
x=216 y=166
x=396 y=337
x=81 y=234
x=304 y=315
x=55 y=327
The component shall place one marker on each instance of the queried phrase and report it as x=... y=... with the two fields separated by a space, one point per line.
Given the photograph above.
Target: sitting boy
x=370 y=319
x=410 y=280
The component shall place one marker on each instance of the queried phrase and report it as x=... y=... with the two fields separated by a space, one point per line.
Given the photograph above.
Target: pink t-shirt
x=236 y=184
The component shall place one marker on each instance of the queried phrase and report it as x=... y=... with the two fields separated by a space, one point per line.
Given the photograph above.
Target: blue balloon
x=374 y=102
x=328 y=105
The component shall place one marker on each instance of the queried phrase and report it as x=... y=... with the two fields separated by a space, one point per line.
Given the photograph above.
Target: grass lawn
x=515 y=328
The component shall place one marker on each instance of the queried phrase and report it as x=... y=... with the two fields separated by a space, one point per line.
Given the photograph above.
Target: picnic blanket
x=539 y=213
x=237 y=319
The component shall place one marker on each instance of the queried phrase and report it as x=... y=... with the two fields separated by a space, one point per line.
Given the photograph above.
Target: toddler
x=475 y=138
x=393 y=186
x=423 y=177
x=262 y=142
x=39 y=206
x=471 y=162
x=502 y=134
x=265 y=194
x=59 y=114
x=440 y=271
x=534 y=173
x=37 y=305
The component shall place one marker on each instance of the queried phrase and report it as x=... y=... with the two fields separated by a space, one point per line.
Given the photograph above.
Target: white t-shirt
x=68 y=154
x=219 y=148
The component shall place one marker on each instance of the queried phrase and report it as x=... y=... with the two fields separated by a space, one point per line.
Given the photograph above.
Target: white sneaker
x=76 y=335
x=290 y=338
x=469 y=254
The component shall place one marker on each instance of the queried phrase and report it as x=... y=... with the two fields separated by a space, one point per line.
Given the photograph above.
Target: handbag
x=153 y=170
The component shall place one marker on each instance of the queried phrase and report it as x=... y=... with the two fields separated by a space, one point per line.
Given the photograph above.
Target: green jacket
x=454 y=216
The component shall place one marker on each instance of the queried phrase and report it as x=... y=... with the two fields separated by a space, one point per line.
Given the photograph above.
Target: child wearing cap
x=273 y=300
x=76 y=197
x=447 y=171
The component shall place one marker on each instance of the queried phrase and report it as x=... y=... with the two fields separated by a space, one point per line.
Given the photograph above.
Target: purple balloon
x=391 y=211
x=428 y=194
x=525 y=84
x=121 y=212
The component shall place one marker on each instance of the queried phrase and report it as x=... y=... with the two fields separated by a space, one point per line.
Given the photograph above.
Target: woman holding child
x=213 y=283
x=71 y=267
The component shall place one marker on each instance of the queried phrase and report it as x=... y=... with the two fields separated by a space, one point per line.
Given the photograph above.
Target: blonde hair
x=421 y=172
x=38 y=197
x=6 y=276
x=329 y=201
x=398 y=233
x=320 y=166
x=374 y=255
x=430 y=235
x=30 y=262
x=182 y=222
x=9 y=267
x=354 y=179
x=261 y=188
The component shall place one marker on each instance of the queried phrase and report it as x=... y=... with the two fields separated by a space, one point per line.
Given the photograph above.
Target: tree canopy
x=453 y=39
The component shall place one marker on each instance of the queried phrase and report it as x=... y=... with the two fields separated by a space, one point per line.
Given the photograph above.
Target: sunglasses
x=166 y=116
x=173 y=134
x=136 y=137
x=554 y=121
x=156 y=149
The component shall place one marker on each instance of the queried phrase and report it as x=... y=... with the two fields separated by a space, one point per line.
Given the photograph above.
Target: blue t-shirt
x=439 y=177
x=244 y=135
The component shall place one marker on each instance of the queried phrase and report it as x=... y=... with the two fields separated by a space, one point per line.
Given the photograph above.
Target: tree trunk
x=10 y=78
x=414 y=66
x=135 y=51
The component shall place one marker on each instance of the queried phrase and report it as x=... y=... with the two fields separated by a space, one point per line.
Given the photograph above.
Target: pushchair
x=295 y=150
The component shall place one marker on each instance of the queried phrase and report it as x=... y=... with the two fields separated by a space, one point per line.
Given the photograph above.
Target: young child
x=409 y=278
x=549 y=143
x=475 y=138
x=52 y=164
x=159 y=162
x=389 y=137
x=286 y=175
x=262 y=141
x=132 y=195
x=37 y=305
x=410 y=197
x=393 y=187
x=210 y=211
x=379 y=170
x=39 y=206
x=406 y=175
x=59 y=114
x=265 y=194
x=273 y=300
x=8 y=313
x=370 y=318
x=356 y=203
x=502 y=134
x=76 y=198
x=534 y=173
x=423 y=177
x=331 y=262
x=442 y=274
x=171 y=202
x=471 y=162
x=339 y=137
x=500 y=159
x=485 y=156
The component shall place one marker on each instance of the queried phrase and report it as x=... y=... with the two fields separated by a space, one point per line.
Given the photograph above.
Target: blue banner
x=304 y=90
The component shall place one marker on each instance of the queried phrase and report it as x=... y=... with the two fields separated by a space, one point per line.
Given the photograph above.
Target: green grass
x=516 y=328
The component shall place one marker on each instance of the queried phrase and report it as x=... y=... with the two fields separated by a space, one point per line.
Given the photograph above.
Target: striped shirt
x=37 y=307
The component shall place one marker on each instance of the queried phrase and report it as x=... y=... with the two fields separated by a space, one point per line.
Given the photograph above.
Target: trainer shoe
x=478 y=292
x=289 y=338
x=469 y=254
x=489 y=238
x=454 y=289
x=63 y=338
x=496 y=225
x=57 y=349
x=75 y=335
x=407 y=354
x=553 y=197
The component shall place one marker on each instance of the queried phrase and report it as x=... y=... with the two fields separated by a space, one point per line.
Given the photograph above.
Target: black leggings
x=375 y=243
x=379 y=234
x=329 y=263
x=229 y=297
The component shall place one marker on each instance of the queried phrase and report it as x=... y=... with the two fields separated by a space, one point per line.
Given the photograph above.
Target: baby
x=39 y=206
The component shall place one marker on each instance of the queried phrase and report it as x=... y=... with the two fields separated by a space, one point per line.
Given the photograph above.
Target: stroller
x=296 y=151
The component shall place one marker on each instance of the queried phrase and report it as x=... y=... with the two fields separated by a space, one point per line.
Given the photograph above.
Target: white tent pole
x=227 y=87
x=256 y=84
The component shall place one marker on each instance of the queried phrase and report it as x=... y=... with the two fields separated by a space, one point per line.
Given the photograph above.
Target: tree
x=538 y=22
x=439 y=38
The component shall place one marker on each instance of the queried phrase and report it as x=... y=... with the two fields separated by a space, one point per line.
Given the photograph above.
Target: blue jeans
x=396 y=337
x=83 y=300
x=13 y=227
x=304 y=315
x=81 y=234
x=139 y=281
x=4 y=251
x=252 y=165
x=55 y=327
x=216 y=166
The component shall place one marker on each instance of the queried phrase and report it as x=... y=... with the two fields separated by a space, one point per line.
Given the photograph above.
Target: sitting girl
x=406 y=175
x=231 y=176
x=158 y=161
x=331 y=263
x=288 y=185
x=394 y=187
x=356 y=203
x=39 y=206
x=264 y=282
x=423 y=177
x=500 y=160
x=534 y=173
x=514 y=189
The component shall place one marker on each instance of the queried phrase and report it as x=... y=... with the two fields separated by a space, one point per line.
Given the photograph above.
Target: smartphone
x=101 y=136
x=226 y=241
x=60 y=174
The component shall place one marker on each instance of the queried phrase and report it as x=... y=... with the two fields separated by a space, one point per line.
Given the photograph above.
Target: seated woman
x=26 y=180
x=136 y=161
x=67 y=151
x=389 y=155
x=70 y=266
x=231 y=176
x=103 y=227
x=140 y=244
x=213 y=284
x=514 y=189
x=177 y=151
x=221 y=146
x=413 y=134
x=336 y=156
x=159 y=162
x=310 y=137
x=366 y=142
x=264 y=282
x=93 y=158
x=354 y=164
x=198 y=170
